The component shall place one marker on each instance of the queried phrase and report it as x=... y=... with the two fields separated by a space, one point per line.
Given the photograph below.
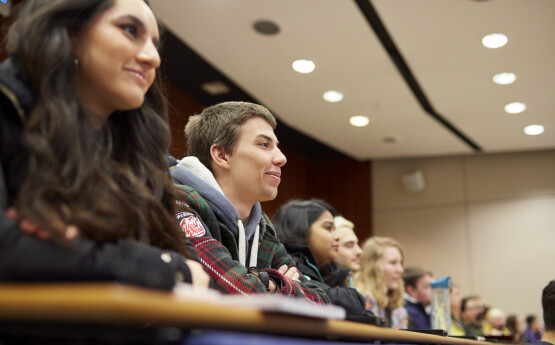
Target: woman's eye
x=264 y=144
x=130 y=29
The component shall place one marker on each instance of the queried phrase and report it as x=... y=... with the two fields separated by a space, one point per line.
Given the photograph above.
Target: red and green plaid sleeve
x=229 y=276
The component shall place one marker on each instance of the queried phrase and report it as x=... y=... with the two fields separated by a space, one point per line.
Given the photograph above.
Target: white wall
x=486 y=220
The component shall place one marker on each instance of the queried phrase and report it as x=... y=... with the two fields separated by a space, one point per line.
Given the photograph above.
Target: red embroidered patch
x=190 y=224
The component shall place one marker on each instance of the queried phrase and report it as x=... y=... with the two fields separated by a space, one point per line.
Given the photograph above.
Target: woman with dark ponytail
x=307 y=230
x=84 y=133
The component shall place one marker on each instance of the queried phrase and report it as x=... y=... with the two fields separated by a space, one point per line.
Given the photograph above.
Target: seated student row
x=85 y=173
x=85 y=187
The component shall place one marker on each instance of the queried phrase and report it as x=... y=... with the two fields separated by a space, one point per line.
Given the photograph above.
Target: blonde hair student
x=380 y=280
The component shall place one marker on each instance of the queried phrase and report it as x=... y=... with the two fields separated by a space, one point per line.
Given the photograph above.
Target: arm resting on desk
x=26 y=258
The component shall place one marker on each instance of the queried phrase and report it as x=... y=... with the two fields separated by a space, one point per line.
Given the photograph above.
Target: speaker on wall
x=413 y=182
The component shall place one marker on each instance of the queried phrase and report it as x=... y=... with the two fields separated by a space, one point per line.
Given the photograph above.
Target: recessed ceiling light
x=494 y=40
x=359 y=120
x=333 y=96
x=515 y=107
x=504 y=78
x=266 y=27
x=303 y=66
x=390 y=140
x=533 y=129
x=215 y=88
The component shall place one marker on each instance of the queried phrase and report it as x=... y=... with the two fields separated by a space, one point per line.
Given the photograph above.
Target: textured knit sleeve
x=229 y=276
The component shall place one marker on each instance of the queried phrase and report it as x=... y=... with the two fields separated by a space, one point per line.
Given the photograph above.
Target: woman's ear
x=219 y=157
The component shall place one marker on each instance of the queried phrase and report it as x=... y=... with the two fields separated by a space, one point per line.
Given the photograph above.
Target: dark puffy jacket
x=27 y=258
x=330 y=278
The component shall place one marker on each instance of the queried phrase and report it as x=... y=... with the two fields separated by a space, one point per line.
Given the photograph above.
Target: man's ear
x=219 y=156
x=409 y=289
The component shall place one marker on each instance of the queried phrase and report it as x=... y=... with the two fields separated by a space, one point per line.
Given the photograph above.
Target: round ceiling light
x=504 y=78
x=266 y=27
x=359 y=120
x=303 y=66
x=533 y=129
x=333 y=96
x=494 y=40
x=515 y=107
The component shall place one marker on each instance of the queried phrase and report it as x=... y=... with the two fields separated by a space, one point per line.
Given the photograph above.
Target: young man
x=234 y=163
x=418 y=296
x=349 y=252
x=471 y=309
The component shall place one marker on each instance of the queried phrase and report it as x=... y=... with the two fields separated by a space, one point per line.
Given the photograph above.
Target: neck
x=96 y=117
x=549 y=336
x=242 y=207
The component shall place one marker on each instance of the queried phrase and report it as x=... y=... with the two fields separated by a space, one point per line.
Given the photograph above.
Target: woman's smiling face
x=117 y=58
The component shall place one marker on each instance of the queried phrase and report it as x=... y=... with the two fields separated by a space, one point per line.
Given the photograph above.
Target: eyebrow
x=268 y=138
x=139 y=23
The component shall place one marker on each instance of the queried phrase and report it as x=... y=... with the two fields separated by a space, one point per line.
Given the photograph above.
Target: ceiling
x=429 y=93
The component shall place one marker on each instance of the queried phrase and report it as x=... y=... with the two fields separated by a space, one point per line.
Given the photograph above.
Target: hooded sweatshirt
x=224 y=243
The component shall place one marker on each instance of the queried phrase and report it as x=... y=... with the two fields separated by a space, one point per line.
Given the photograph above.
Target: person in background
x=84 y=134
x=457 y=328
x=234 y=164
x=514 y=325
x=471 y=308
x=348 y=255
x=533 y=332
x=380 y=280
x=306 y=228
x=495 y=323
x=418 y=297
x=548 y=304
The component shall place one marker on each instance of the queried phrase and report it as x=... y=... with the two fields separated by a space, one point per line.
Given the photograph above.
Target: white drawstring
x=243 y=246
x=254 y=248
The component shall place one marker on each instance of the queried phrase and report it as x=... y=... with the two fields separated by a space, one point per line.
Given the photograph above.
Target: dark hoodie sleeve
x=348 y=298
x=26 y=258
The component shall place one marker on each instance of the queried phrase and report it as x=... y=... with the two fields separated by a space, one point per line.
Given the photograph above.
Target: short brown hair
x=412 y=275
x=221 y=124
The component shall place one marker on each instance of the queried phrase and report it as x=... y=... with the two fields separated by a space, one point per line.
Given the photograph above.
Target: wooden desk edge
x=101 y=303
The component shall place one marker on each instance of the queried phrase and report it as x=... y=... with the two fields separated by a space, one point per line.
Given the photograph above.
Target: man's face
x=255 y=163
x=349 y=251
x=423 y=290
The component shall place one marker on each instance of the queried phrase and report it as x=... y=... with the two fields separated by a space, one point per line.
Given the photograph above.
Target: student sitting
x=84 y=135
x=235 y=164
x=380 y=280
x=308 y=232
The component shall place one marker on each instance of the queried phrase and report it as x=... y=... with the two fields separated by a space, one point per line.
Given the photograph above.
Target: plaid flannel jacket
x=217 y=249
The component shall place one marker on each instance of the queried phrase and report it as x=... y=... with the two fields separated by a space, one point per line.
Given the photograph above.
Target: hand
x=271 y=286
x=290 y=272
x=199 y=277
x=31 y=228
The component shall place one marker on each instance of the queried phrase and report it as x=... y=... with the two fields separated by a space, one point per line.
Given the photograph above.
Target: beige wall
x=486 y=220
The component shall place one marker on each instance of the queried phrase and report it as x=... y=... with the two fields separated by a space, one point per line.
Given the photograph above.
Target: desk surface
x=125 y=305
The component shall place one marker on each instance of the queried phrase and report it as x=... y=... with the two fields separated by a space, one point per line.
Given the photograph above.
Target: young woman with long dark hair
x=84 y=136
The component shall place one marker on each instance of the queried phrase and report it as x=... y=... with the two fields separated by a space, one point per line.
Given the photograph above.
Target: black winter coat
x=27 y=258
x=330 y=278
